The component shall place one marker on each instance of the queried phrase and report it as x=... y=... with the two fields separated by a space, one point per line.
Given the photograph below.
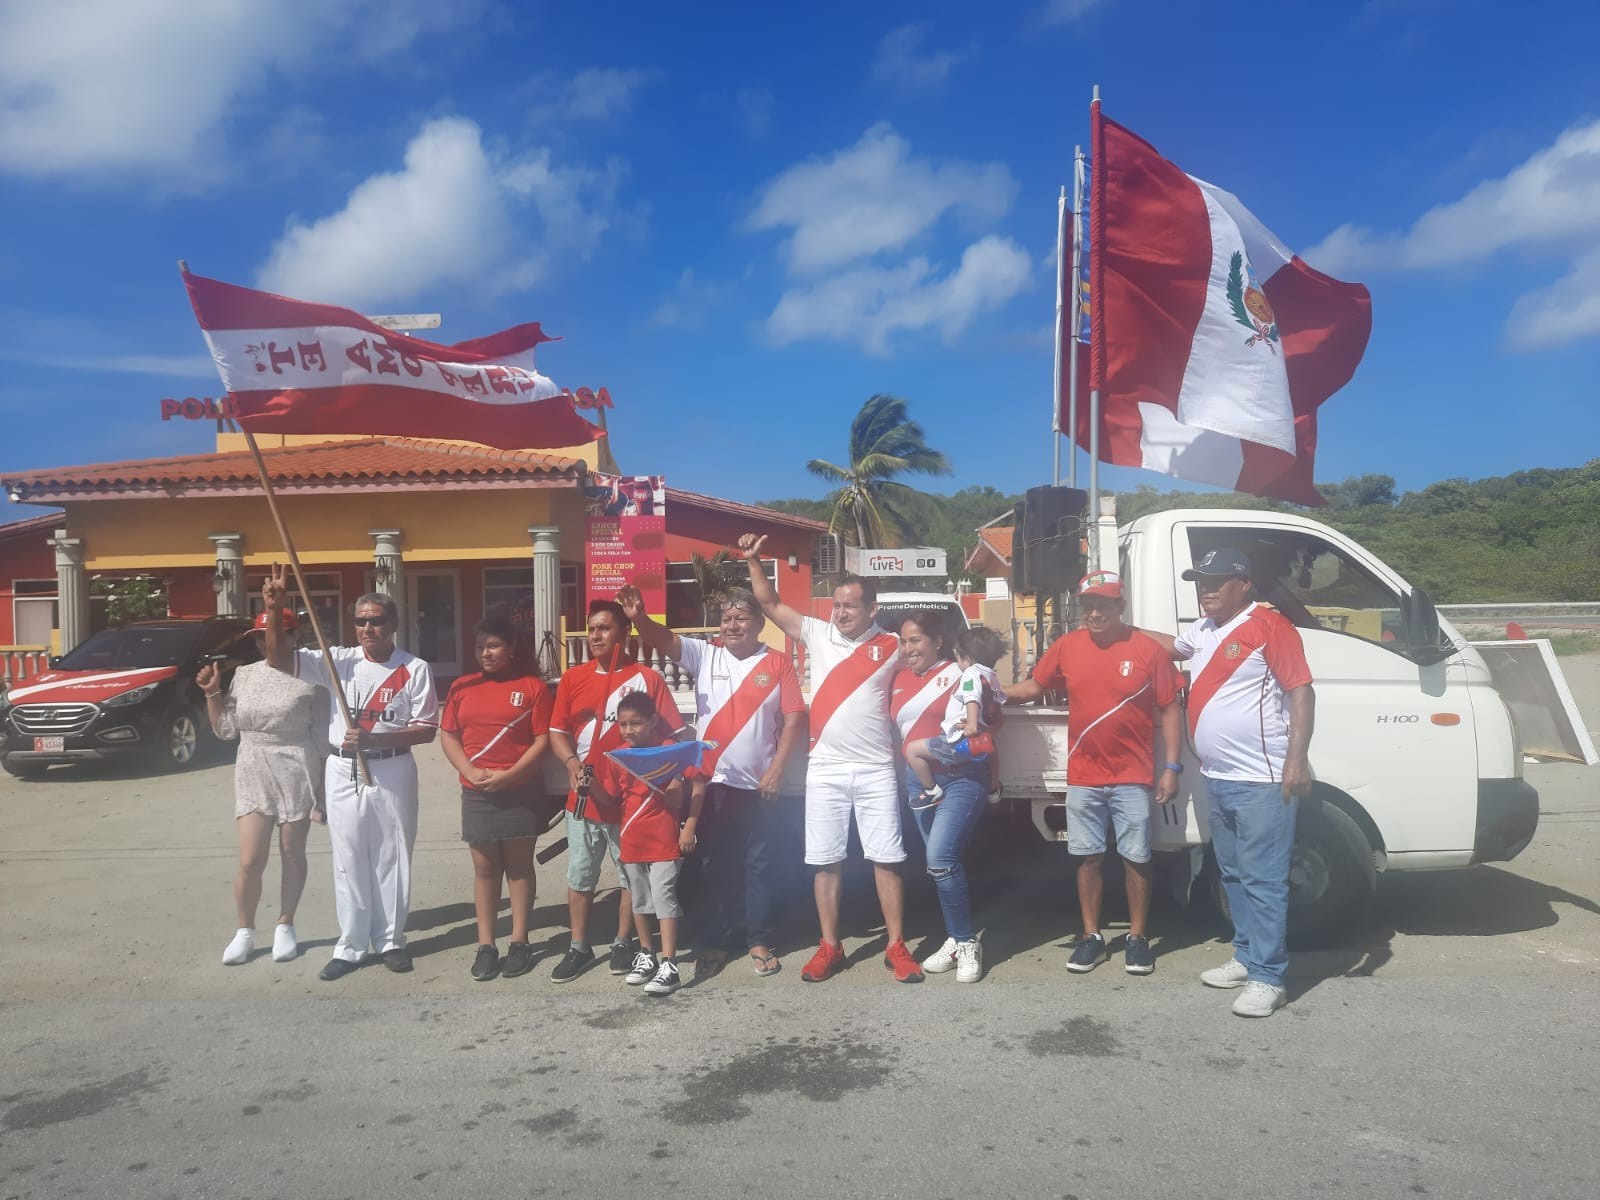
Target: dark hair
x=502 y=628
x=498 y=627
x=637 y=702
x=932 y=623
x=615 y=609
x=869 y=587
x=980 y=644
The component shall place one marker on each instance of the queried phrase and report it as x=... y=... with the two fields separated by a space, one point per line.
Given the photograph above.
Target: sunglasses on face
x=362 y=622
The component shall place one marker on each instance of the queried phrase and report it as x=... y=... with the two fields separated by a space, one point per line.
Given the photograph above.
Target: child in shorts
x=971 y=709
x=650 y=845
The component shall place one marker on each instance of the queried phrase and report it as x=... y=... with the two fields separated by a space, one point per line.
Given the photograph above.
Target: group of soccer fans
x=890 y=713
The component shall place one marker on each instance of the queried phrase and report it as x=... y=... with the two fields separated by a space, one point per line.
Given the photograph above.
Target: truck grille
x=47 y=720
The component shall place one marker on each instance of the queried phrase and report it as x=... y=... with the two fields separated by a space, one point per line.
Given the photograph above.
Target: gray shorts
x=588 y=843
x=654 y=887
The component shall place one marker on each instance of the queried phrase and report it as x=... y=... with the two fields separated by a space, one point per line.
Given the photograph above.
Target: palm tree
x=716 y=577
x=883 y=443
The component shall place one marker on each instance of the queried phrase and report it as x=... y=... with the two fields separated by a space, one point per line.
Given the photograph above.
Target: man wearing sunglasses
x=373 y=827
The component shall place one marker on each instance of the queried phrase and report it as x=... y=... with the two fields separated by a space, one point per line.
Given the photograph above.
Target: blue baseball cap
x=1222 y=563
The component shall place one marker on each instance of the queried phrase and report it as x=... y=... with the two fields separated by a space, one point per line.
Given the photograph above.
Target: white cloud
x=1566 y=311
x=874 y=197
x=452 y=215
x=1549 y=203
x=110 y=88
x=690 y=303
x=901 y=61
x=593 y=94
x=868 y=304
x=1062 y=12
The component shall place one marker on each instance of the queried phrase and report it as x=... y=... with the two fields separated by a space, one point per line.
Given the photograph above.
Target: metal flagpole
x=1061 y=267
x=1094 y=393
x=1077 y=308
x=300 y=580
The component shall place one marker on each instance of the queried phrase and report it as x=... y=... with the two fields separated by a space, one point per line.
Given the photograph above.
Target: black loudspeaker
x=1019 y=552
x=1053 y=524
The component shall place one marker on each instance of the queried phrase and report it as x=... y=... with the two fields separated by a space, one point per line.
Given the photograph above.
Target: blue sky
x=746 y=219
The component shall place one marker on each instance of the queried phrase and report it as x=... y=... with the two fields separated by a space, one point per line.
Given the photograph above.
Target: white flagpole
x=1072 y=352
x=1094 y=434
x=1061 y=268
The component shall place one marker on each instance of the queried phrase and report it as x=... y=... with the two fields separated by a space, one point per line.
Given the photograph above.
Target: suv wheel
x=178 y=747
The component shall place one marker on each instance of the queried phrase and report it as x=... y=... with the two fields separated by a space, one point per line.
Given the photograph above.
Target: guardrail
x=21 y=662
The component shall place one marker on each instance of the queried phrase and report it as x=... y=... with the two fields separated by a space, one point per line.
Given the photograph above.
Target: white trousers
x=372 y=830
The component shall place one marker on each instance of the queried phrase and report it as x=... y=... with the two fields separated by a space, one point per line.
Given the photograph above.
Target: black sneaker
x=397 y=960
x=1136 y=956
x=337 y=968
x=487 y=964
x=572 y=964
x=622 y=957
x=1091 y=952
x=518 y=960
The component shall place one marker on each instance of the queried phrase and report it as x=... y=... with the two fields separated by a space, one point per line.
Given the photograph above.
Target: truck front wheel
x=1332 y=878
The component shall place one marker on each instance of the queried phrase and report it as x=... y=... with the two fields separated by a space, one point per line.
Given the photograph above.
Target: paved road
x=1446 y=1049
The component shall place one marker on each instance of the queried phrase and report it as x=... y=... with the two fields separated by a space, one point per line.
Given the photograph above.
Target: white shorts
x=871 y=792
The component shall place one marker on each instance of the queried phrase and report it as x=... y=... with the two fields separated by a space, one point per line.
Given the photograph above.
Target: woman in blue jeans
x=917 y=705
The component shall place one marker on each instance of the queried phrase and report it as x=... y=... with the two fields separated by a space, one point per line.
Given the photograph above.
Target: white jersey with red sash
x=1238 y=714
x=917 y=702
x=383 y=697
x=740 y=704
x=850 y=685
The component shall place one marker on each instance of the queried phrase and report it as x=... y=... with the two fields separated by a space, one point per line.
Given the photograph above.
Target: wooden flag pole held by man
x=299 y=579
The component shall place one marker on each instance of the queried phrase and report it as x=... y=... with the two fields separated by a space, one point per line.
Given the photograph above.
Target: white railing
x=21 y=662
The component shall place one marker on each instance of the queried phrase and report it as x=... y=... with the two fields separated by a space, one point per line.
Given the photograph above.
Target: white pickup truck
x=1420 y=736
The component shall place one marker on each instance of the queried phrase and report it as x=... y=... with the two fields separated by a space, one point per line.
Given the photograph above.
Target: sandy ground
x=116 y=884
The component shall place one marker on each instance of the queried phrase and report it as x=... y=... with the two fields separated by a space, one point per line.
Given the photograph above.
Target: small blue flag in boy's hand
x=658 y=766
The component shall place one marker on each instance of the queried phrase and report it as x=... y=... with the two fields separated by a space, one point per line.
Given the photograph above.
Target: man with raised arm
x=747 y=701
x=852 y=766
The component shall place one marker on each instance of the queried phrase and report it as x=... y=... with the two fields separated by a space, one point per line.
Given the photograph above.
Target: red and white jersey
x=383 y=697
x=916 y=702
x=740 y=705
x=586 y=707
x=1238 y=713
x=850 y=686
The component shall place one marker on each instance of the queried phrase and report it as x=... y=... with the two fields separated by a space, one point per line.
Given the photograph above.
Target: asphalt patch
x=1080 y=1037
x=821 y=1071
x=30 y=1112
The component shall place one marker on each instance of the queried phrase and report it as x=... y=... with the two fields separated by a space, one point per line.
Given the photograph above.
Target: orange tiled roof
x=321 y=466
x=996 y=540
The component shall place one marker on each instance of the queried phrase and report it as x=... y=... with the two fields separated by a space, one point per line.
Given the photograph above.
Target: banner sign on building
x=626 y=538
x=908 y=560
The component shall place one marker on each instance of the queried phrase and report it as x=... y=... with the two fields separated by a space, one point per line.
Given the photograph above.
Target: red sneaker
x=827 y=962
x=898 y=959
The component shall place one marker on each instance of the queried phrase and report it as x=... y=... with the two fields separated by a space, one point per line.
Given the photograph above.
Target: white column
x=228 y=581
x=547 y=597
x=390 y=570
x=72 y=590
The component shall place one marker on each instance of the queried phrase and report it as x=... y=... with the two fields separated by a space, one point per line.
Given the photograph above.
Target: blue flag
x=658 y=766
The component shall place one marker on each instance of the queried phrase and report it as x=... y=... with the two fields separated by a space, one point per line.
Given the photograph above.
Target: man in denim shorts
x=1118 y=681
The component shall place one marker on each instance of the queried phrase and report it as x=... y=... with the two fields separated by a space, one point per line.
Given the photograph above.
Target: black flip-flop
x=766 y=964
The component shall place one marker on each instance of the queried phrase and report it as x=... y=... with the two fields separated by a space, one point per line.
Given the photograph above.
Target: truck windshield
x=133 y=648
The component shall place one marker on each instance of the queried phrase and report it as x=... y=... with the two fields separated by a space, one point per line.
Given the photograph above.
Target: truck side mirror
x=1419 y=624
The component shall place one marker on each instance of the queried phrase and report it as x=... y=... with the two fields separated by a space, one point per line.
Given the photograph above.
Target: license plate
x=49 y=745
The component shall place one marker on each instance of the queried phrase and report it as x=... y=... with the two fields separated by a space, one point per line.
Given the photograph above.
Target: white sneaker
x=941 y=960
x=666 y=981
x=969 y=961
x=238 y=951
x=285 y=947
x=1259 y=1000
x=644 y=969
x=1230 y=974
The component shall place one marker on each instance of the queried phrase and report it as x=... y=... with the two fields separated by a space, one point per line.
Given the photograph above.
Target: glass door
x=433 y=611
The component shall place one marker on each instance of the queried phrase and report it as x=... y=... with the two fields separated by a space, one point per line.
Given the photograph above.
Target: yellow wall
x=438 y=526
x=588 y=453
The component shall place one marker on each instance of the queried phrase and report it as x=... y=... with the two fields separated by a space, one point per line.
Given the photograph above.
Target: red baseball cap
x=1101 y=583
x=289 y=623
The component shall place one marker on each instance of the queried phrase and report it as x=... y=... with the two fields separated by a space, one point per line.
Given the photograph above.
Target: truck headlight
x=137 y=696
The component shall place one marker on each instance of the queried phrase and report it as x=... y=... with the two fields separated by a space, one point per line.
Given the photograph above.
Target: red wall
x=24 y=554
x=692 y=530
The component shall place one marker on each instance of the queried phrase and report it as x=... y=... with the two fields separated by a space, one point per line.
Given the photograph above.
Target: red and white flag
x=1212 y=345
x=293 y=367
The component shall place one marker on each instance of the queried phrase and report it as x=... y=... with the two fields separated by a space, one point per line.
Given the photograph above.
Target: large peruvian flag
x=1211 y=344
x=293 y=367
